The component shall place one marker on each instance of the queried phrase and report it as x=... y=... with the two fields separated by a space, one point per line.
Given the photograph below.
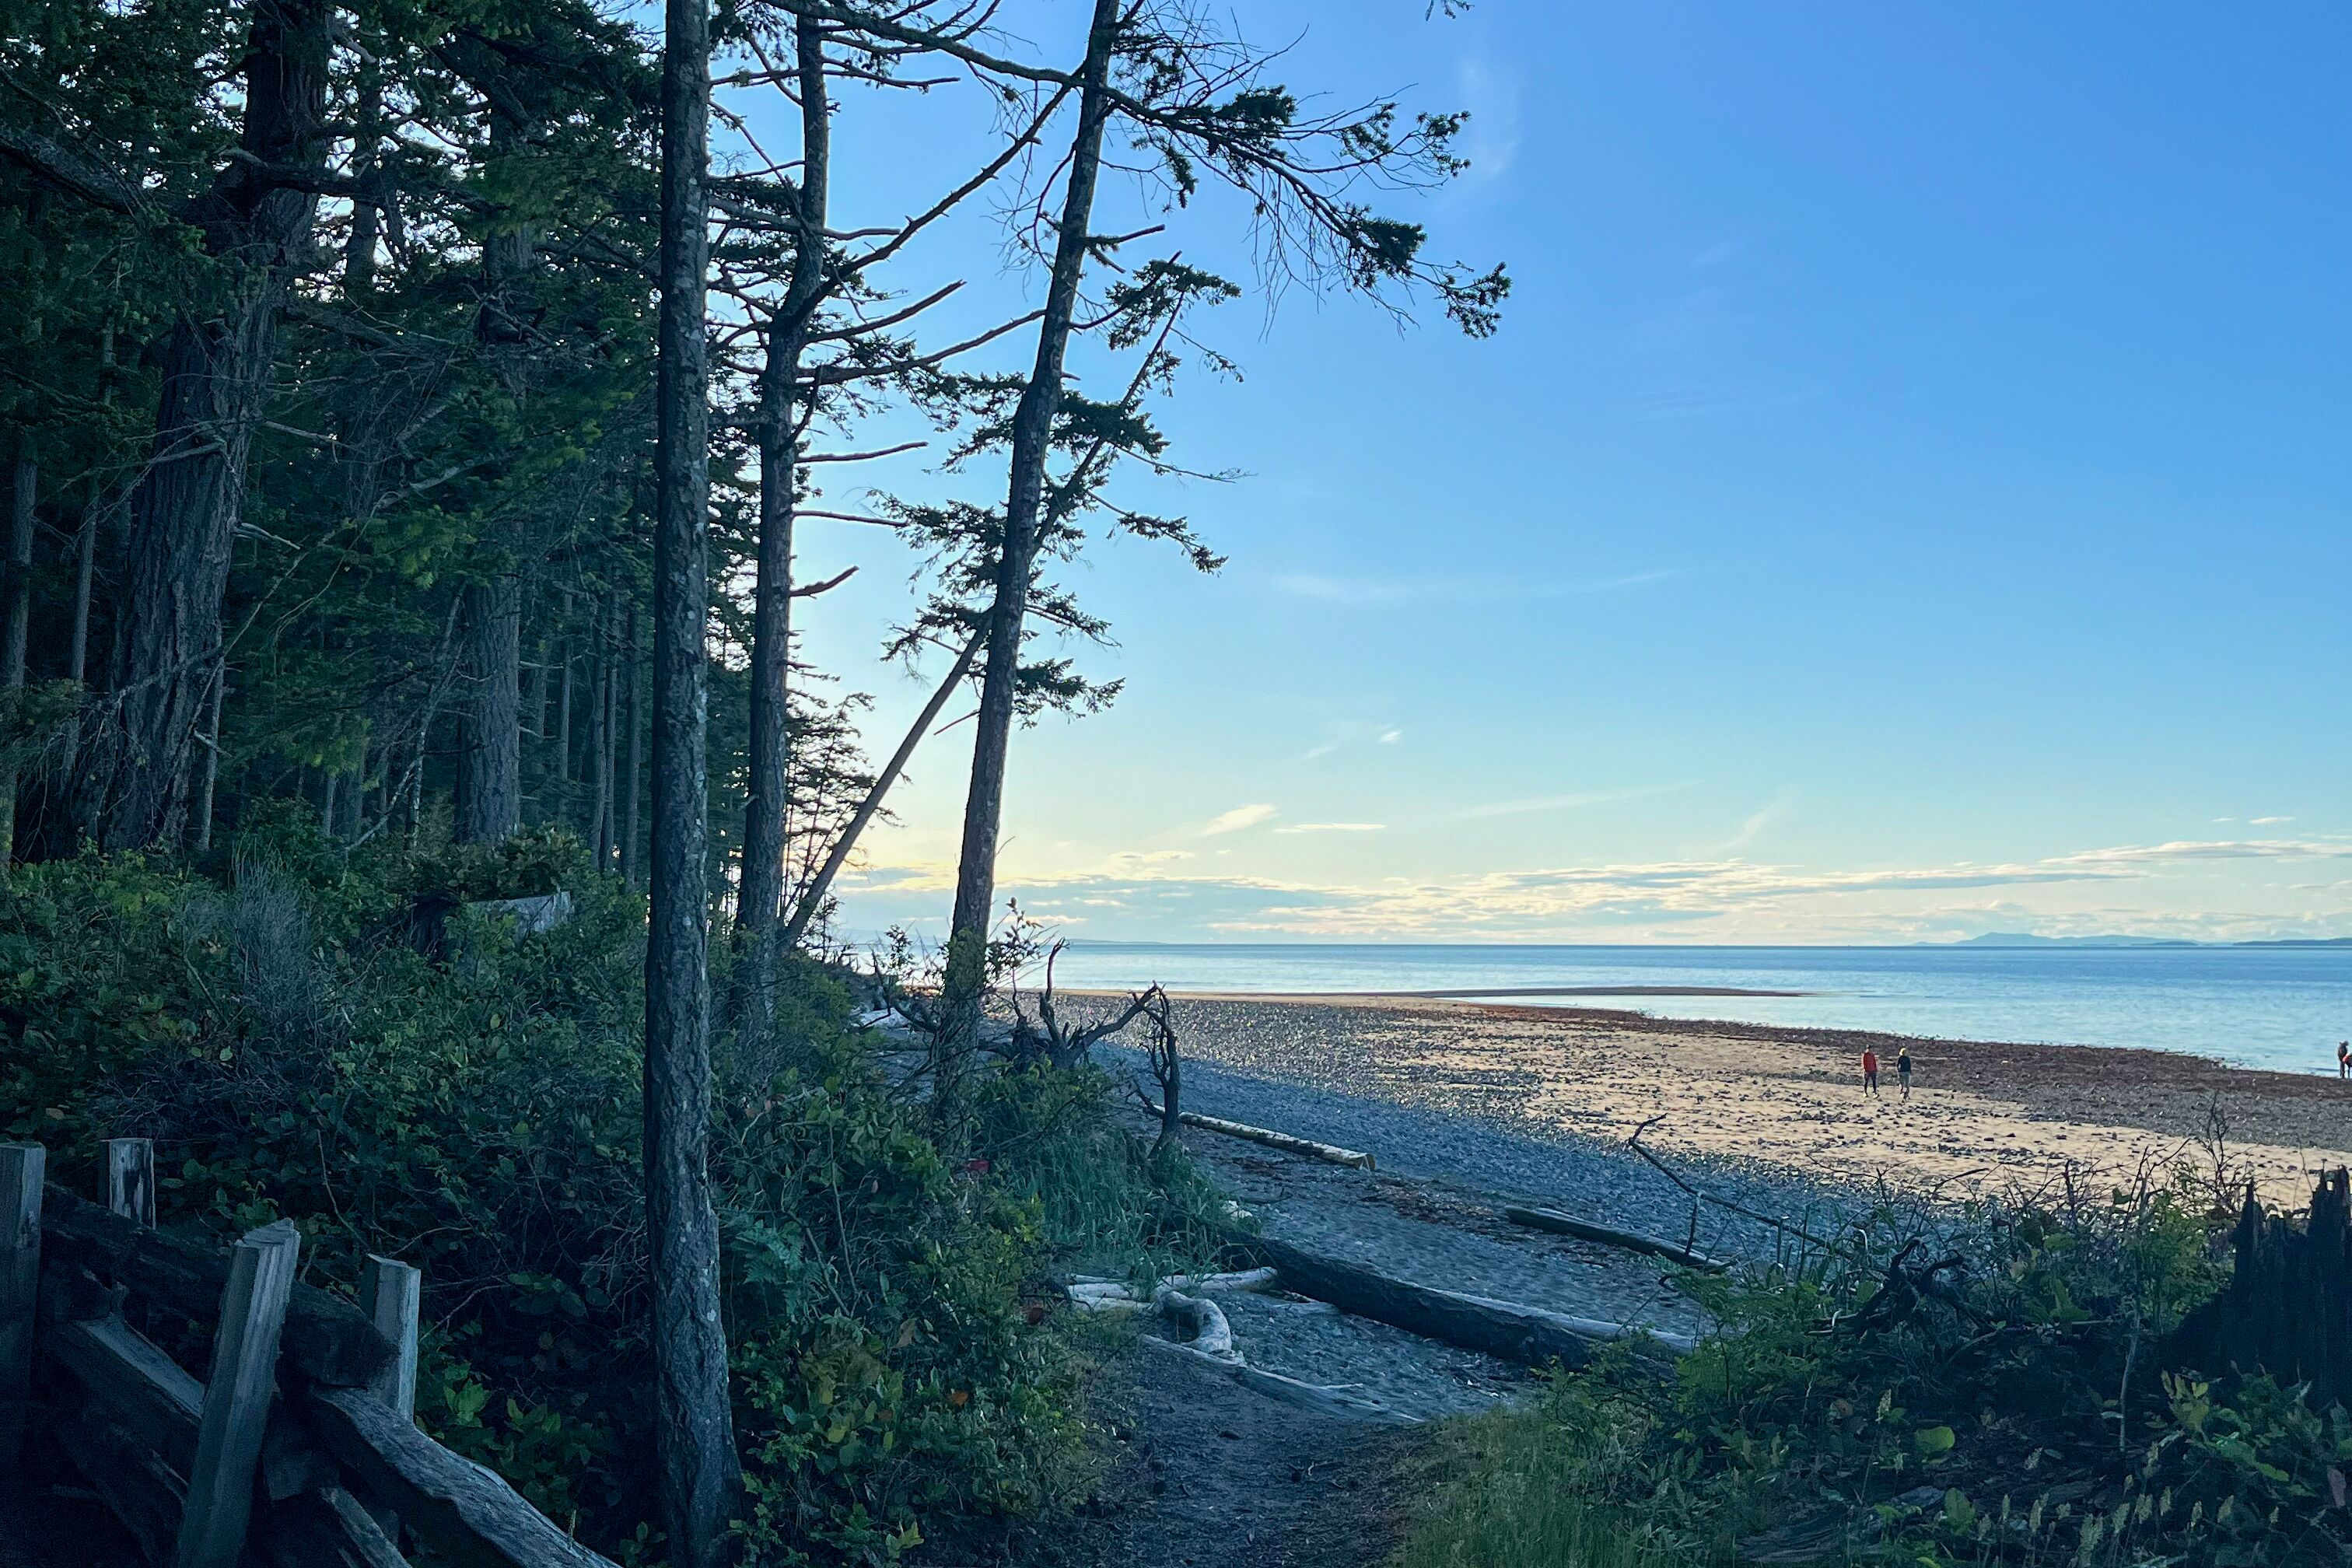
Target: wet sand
x=1981 y=1116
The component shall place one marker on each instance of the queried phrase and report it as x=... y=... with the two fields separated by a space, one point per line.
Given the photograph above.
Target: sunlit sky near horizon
x=1906 y=498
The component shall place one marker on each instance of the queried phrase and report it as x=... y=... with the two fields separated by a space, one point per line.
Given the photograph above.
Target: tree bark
x=216 y=376
x=1032 y=425
x=635 y=782
x=367 y=139
x=694 y=1426
x=563 y=719
x=760 y=905
x=18 y=620
x=489 y=759
x=602 y=760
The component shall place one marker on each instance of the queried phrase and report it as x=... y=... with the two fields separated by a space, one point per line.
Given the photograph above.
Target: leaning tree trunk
x=1032 y=425
x=758 y=910
x=216 y=377
x=694 y=1428
x=489 y=761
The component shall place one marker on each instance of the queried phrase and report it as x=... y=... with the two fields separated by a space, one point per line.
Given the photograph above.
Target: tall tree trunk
x=1032 y=427
x=564 y=726
x=694 y=1424
x=600 y=760
x=759 y=903
x=490 y=757
x=216 y=377
x=16 y=621
x=77 y=649
x=635 y=785
x=367 y=140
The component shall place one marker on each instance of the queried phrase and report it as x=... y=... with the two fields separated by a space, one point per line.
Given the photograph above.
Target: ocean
x=2281 y=1007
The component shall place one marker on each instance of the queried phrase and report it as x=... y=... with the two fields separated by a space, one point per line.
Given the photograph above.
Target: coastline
x=1983 y=1116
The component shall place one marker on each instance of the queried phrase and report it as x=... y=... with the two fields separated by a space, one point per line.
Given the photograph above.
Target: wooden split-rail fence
x=300 y=1448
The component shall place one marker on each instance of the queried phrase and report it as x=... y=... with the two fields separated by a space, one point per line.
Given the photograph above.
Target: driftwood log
x=1560 y=1224
x=326 y=1339
x=1284 y=1141
x=1531 y=1336
x=1203 y=1322
x=1338 y=1403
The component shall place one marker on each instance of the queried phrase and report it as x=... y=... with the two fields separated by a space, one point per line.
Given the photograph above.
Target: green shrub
x=476 y=1113
x=1991 y=1386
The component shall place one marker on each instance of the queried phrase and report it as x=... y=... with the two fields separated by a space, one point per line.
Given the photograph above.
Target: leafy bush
x=2013 y=1400
x=294 y=1053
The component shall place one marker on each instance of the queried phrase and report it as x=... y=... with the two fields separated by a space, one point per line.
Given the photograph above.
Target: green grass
x=1505 y=1490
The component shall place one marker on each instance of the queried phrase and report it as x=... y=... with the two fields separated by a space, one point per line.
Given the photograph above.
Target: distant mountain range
x=2027 y=938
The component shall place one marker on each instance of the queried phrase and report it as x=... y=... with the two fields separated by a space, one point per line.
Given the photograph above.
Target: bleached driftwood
x=1093 y=1293
x=1333 y=1401
x=1609 y=1235
x=1284 y=1141
x=1203 y=1322
x=1529 y=1335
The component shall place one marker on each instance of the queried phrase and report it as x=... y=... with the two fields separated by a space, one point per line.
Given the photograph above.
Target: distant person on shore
x=1903 y=1070
x=2343 y=1059
x=1869 y=1070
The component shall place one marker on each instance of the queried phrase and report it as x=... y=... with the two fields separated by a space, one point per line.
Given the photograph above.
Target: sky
x=1906 y=498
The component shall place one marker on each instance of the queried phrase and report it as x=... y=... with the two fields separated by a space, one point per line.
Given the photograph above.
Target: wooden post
x=237 y=1400
x=130 y=1178
x=21 y=1167
x=390 y=1294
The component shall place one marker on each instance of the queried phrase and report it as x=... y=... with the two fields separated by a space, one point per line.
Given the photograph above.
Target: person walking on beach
x=2343 y=1059
x=1869 y=1070
x=1903 y=1070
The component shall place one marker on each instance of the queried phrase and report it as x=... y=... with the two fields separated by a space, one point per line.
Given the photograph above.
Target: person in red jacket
x=1869 y=1070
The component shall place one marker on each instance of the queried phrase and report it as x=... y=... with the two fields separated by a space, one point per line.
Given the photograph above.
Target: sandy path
x=1980 y=1116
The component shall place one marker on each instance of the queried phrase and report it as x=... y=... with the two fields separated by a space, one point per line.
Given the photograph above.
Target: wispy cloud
x=1719 y=898
x=1390 y=737
x=1760 y=819
x=1241 y=817
x=2269 y=821
x=1492 y=95
x=1562 y=802
x=1367 y=591
x=1335 y=827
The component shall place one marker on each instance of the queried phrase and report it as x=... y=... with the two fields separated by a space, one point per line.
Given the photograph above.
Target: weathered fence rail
x=300 y=1448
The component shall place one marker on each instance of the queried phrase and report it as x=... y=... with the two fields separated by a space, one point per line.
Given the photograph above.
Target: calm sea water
x=2272 y=1008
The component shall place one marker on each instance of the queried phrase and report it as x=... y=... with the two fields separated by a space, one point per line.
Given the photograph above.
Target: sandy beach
x=1981 y=1116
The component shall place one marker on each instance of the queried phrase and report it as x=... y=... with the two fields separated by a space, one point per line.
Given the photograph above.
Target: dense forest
x=408 y=412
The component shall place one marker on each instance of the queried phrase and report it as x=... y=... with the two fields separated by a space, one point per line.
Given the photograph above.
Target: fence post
x=236 y=1399
x=390 y=1293
x=130 y=1178
x=21 y=1168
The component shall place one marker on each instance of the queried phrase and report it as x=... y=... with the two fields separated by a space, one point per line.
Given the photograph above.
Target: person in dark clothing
x=1903 y=1070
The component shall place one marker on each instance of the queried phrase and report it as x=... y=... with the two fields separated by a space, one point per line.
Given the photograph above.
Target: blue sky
x=1907 y=498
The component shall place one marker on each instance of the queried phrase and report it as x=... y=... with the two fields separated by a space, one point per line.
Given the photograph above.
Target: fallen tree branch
x=1284 y=1141
x=1609 y=1235
x=1332 y=1402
